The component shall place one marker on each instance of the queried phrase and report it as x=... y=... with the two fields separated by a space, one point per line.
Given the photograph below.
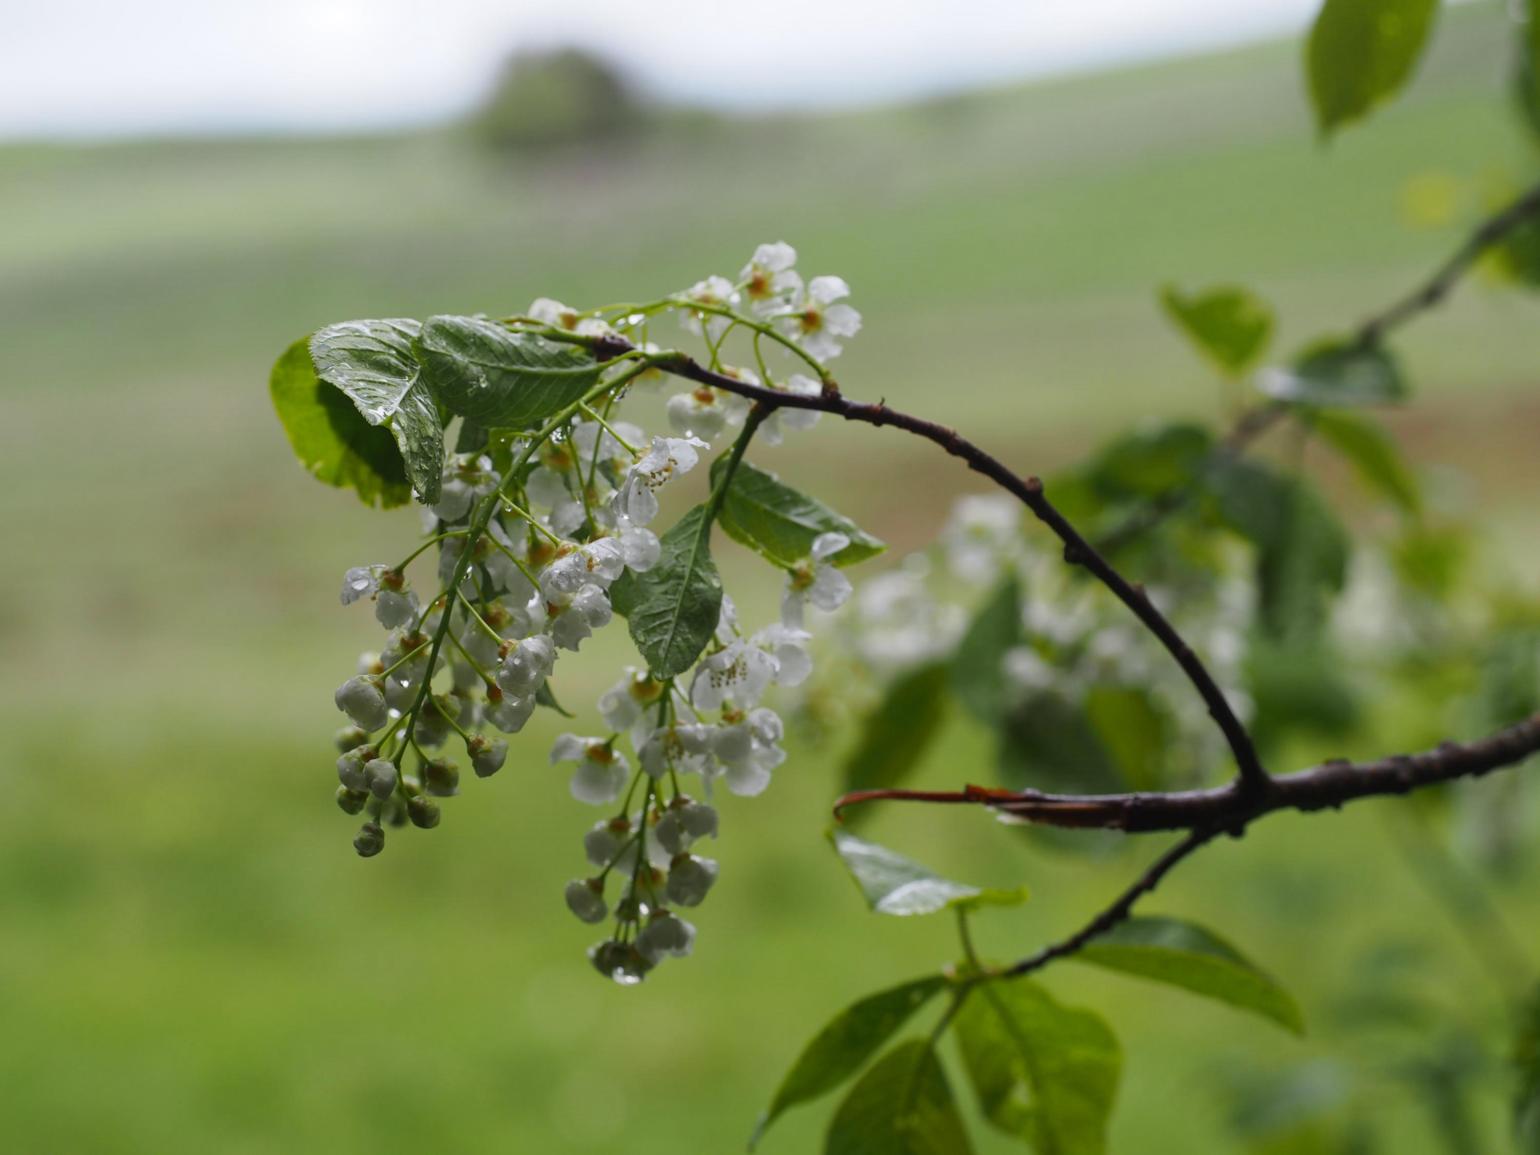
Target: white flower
x=576 y=618
x=638 y=546
x=623 y=704
x=598 y=562
x=362 y=699
x=748 y=751
x=738 y=673
x=1025 y=668
x=487 y=758
x=789 y=648
x=683 y=747
x=585 y=898
x=553 y=313
x=683 y=824
x=510 y=714
x=589 y=436
x=665 y=935
x=714 y=291
x=526 y=665
x=689 y=878
x=601 y=772
x=901 y=623
x=818 y=323
x=395 y=608
x=669 y=457
x=705 y=411
x=360 y=582
x=768 y=279
x=466 y=478
x=604 y=843
x=815 y=581
x=982 y=531
x=770 y=429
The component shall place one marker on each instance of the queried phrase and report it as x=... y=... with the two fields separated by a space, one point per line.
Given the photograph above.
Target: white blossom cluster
x=536 y=553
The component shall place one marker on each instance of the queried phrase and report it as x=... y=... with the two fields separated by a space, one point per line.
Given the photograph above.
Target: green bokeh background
x=192 y=959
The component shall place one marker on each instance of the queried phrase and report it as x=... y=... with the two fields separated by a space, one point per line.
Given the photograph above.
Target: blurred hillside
x=194 y=959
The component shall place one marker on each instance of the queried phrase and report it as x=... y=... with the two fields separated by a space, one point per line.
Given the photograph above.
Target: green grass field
x=193 y=958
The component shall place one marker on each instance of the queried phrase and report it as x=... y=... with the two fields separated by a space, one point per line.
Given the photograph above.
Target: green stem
x=432 y=541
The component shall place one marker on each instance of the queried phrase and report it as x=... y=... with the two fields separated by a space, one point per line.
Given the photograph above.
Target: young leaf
x=1150 y=461
x=1047 y=742
x=976 y=675
x=330 y=437
x=1229 y=325
x=893 y=884
x=1042 y=1072
x=673 y=608
x=902 y=1106
x=1373 y=454
x=1182 y=954
x=1132 y=731
x=1361 y=52
x=896 y=735
x=1337 y=373
x=845 y=1044
x=496 y=376
x=766 y=515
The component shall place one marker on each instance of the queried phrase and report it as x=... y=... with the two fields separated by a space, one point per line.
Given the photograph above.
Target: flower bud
x=440 y=778
x=349 y=737
x=350 y=770
x=682 y=825
x=362 y=700
x=487 y=758
x=603 y=843
x=351 y=801
x=393 y=609
x=689 y=878
x=620 y=962
x=380 y=774
x=585 y=898
x=423 y=812
x=665 y=935
x=369 y=840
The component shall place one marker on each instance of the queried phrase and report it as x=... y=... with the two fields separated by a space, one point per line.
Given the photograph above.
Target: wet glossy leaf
x=845 y=1045
x=1042 y=1071
x=1361 y=52
x=330 y=436
x=763 y=513
x=902 y=1106
x=497 y=376
x=893 y=884
x=1229 y=325
x=1185 y=955
x=373 y=363
x=673 y=608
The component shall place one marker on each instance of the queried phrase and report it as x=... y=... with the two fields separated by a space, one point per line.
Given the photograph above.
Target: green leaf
x=1184 y=955
x=372 y=362
x=1042 y=1072
x=673 y=608
x=1526 y=77
x=545 y=696
x=1228 y=324
x=893 y=884
x=902 y=1106
x=898 y=733
x=1150 y=461
x=845 y=1044
x=1047 y=742
x=977 y=677
x=1373 y=454
x=1361 y=52
x=1132 y=731
x=1336 y=373
x=1302 y=550
x=1526 y=1069
x=780 y=522
x=330 y=437
x=497 y=376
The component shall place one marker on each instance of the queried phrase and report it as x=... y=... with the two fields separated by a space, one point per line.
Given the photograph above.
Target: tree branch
x=1029 y=490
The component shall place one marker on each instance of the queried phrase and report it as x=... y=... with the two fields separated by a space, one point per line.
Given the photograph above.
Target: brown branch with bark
x=1203 y=815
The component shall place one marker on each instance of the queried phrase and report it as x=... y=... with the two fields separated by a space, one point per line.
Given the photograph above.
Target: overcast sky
x=104 y=67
